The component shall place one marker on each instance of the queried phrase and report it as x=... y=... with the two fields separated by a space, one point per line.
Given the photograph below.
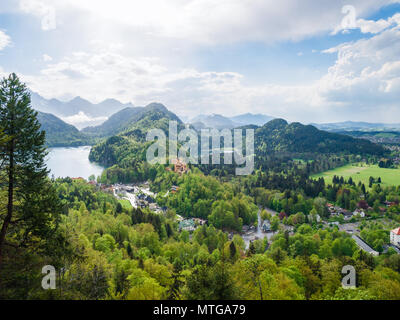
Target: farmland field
x=362 y=172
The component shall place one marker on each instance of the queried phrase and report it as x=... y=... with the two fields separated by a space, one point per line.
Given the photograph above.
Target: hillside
x=279 y=136
x=128 y=129
x=59 y=133
x=132 y=118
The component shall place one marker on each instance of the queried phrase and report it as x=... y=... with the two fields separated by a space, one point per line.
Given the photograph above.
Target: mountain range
x=79 y=112
x=272 y=135
x=82 y=113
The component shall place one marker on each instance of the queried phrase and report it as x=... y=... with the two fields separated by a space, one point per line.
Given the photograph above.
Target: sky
x=308 y=61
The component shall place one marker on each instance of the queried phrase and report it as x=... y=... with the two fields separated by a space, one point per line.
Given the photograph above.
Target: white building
x=359 y=212
x=395 y=237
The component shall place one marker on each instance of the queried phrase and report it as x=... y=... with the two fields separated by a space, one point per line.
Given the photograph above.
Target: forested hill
x=132 y=118
x=279 y=136
x=276 y=137
x=129 y=128
x=61 y=134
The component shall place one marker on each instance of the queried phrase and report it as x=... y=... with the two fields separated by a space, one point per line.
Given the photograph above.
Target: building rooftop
x=396 y=231
x=364 y=246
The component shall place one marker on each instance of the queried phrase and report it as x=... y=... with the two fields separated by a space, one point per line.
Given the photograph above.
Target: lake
x=72 y=162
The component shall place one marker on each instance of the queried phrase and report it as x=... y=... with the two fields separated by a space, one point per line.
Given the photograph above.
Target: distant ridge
x=218 y=121
x=357 y=126
x=279 y=136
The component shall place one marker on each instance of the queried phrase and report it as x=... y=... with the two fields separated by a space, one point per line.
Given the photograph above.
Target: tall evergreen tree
x=173 y=292
x=32 y=205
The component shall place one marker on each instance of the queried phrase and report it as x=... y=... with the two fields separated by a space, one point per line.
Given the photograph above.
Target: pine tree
x=232 y=251
x=32 y=204
x=119 y=208
x=177 y=282
x=252 y=249
x=3 y=138
x=363 y=189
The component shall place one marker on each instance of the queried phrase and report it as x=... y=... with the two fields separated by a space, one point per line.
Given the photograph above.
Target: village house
x=347 y=215
x=187 y=225
x=395 y=237
x=174 y=189
x=359 y=212
x=199 y=221
x=334 y=210
x=266 y=226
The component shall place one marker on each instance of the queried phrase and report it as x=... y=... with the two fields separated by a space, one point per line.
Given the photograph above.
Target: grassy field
x=125 y=204
x=362 y=172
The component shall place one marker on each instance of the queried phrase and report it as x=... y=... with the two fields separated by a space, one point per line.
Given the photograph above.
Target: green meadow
x=125 y=204
x=362 y=172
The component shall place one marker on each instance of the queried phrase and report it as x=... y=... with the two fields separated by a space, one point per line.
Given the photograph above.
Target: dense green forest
x=104 y=250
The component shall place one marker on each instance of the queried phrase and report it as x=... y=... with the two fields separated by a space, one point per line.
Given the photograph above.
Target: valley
x=310 y=199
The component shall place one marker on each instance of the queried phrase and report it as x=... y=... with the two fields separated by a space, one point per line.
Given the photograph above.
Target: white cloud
x=365 y=75
x=208 y=21
x=100 y=75
x=43 y=9
x=365 y=79
x=82 y=120
x=370 y=26
x=5 y=40
x=47 y=58
x=366 y=26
